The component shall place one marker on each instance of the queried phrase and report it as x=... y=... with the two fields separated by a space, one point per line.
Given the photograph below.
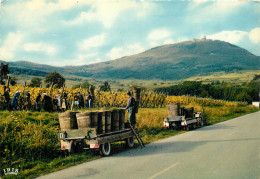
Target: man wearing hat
x=14 y=103
x=131 y=108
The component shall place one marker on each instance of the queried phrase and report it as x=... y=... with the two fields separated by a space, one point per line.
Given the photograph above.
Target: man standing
x=47 y=103
x=14 y=103
x=131 y=108
x=38 y=102
x=6 y=99
x=81 y=100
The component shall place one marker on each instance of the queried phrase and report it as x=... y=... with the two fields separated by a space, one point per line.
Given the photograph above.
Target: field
x=237 y=77
x=28 y=140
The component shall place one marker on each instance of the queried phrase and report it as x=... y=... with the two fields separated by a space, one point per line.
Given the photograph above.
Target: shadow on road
x=173 y=147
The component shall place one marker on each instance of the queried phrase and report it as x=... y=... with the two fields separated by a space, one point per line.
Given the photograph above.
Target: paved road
x=229 y=149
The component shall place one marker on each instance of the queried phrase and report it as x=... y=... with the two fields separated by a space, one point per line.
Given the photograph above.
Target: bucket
x=137 y=93
x=137 y=96
x=121 y=119
x=67 y=121
x=101 y=122
x=137 y=106
x=115 y=120
x=173 y=109
x=127 y=125
x=83 y=120
x=108 y=121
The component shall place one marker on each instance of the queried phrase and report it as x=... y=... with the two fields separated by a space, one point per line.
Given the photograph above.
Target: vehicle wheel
x=130 y=142
x=194 y=125
x=187 y=128
x=206 y=122
x=202 y=123
x=105 y=149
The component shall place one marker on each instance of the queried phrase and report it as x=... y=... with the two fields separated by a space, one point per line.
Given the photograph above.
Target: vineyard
x=115 y=99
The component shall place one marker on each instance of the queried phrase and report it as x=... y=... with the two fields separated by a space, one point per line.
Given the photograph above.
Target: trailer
x=181 y=122
x=88 y=138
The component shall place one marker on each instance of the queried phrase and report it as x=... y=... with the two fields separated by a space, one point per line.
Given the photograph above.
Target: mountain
x=167 y=62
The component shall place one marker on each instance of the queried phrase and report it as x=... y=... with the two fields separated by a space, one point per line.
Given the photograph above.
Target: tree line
x=217 y=90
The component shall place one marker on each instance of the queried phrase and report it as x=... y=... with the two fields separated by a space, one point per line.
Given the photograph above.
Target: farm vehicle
x=183 y=118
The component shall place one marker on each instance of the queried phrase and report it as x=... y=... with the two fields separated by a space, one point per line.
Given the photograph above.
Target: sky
x=80 y=32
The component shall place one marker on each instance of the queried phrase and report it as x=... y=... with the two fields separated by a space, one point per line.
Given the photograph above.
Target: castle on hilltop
x=200 y=40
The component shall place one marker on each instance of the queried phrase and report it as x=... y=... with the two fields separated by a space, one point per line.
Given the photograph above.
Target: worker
x=58 y=100
x=27 y=100
x=76 y=100
x=131 y=109
x=81 y=100
x=38 y=101
x=14 y=103
x=47 y=103
x=6 y=98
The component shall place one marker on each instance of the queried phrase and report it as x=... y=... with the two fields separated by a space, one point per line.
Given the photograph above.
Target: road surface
x=230 y=149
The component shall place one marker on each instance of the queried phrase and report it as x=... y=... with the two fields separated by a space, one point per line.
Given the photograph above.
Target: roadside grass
x=28 y=140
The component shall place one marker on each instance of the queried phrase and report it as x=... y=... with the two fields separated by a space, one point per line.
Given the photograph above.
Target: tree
x=36 y=82
x=54 y=78
x=3 y=73
x=243 y=96
x=84 y=85
x=13 y=80
x=105 y=86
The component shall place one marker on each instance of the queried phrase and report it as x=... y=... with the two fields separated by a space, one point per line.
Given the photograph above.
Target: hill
x=167 y=62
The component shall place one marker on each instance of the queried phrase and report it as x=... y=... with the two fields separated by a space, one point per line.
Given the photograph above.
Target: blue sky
x=77 y=32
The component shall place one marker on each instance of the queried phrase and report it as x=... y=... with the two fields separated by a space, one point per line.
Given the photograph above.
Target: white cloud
x=10 y=45
x=254 y=35
x=158 y=34
x=33 y=14
x=40 y=47
x=92 y=42
x=208 y=11
x=108 y=11
x=229 y=36
x=118 y=52
x=168 y=41
x=159 y=37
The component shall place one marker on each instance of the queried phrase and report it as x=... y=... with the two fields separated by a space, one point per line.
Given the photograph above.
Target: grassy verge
x=28 y=140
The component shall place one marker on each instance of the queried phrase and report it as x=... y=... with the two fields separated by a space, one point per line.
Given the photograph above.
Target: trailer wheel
x=194 y=125
x=202 y=123
x=105 y=149
x=130 y=142
x=187 y=128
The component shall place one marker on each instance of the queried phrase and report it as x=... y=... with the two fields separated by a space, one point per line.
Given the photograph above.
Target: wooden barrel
x=108 y=121
x=115 y=120
x=121 y=119
x=137 y=102
x=137 y=93
x=173 y=109
x=84 y=120
x=137 y=96
x=94 y=120
x=189 y=112
x=67 y=121
x=127 y=125
x=101 y=122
